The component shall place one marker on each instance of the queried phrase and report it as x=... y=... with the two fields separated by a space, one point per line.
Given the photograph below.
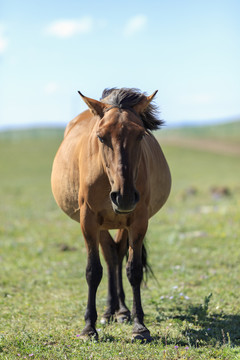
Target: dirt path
x=214 y=146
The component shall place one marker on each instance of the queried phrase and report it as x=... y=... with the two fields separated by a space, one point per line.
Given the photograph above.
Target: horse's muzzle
x=126 y=203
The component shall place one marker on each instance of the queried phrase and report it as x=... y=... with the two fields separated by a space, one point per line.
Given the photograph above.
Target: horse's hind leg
x=121 y=240
x=114 y=252
x=109 y=251
x=135 y=274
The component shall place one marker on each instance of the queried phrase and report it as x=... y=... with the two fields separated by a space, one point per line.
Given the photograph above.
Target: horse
x=110 y=173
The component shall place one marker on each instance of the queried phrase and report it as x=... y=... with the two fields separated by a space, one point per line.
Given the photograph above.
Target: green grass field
x=192 y=310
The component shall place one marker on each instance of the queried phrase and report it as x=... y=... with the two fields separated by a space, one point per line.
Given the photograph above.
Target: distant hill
x=220 y=138
x=32 y=133
x=227 y=132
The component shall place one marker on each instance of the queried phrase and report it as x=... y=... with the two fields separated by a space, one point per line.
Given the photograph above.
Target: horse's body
x=110 y=173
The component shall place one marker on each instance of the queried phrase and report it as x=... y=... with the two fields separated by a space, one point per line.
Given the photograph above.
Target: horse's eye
x=100 y=139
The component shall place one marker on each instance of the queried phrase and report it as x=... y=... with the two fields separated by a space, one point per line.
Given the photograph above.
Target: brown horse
x=110 y=173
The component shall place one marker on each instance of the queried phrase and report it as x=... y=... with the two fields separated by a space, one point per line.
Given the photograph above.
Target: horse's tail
x=146 y=266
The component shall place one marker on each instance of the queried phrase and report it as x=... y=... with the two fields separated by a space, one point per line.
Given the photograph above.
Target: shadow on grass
x=108 y=338
x=215 y=329
x=200 y=327
x=197 y=328
x=210 y=329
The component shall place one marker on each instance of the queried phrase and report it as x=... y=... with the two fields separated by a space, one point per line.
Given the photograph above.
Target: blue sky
x=188 y=50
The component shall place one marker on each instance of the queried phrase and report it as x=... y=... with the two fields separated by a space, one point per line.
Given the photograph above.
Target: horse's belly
x=159 y=176
x=65 y=171
x=65 y=186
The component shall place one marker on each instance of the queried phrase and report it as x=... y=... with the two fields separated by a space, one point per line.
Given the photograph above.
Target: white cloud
x=135 y=24
x=3 y=40
x=69 y=28
x=51 y=88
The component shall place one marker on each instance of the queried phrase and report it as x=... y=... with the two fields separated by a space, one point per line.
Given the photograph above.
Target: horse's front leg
x=93 y=270
x=110 y=255
x=135 y=275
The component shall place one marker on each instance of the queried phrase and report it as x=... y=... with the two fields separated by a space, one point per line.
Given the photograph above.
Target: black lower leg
x=93 y=276
x=110 y=255
x=135 y=275
x=123 y=313
x=112 y=301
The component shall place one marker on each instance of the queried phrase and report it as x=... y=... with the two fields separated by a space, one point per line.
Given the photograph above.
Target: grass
x=193 y=309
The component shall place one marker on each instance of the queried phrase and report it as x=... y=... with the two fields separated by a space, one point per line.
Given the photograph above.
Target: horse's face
x=119 y=135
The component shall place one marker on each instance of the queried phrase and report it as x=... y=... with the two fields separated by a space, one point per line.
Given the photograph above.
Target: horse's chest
x=113 y=221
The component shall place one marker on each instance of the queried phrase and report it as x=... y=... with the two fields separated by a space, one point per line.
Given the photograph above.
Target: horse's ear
x=96 y=107
x=143 y=104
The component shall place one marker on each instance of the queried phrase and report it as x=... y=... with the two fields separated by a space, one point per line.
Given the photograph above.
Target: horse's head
x=119 y=132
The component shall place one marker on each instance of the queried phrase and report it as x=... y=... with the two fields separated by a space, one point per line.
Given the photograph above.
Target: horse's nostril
x=137 y=197
x=113 y=196
x=125 y=202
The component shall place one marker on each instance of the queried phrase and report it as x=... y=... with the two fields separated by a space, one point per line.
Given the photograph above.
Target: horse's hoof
x=105 y=320
x=123 y=318
x=144 y=337
x=89 y=333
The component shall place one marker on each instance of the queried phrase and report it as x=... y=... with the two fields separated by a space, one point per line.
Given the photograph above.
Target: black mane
x=128 y=98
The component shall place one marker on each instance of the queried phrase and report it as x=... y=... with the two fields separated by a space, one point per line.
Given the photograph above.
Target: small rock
x=220 y=191
x=65 y=247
